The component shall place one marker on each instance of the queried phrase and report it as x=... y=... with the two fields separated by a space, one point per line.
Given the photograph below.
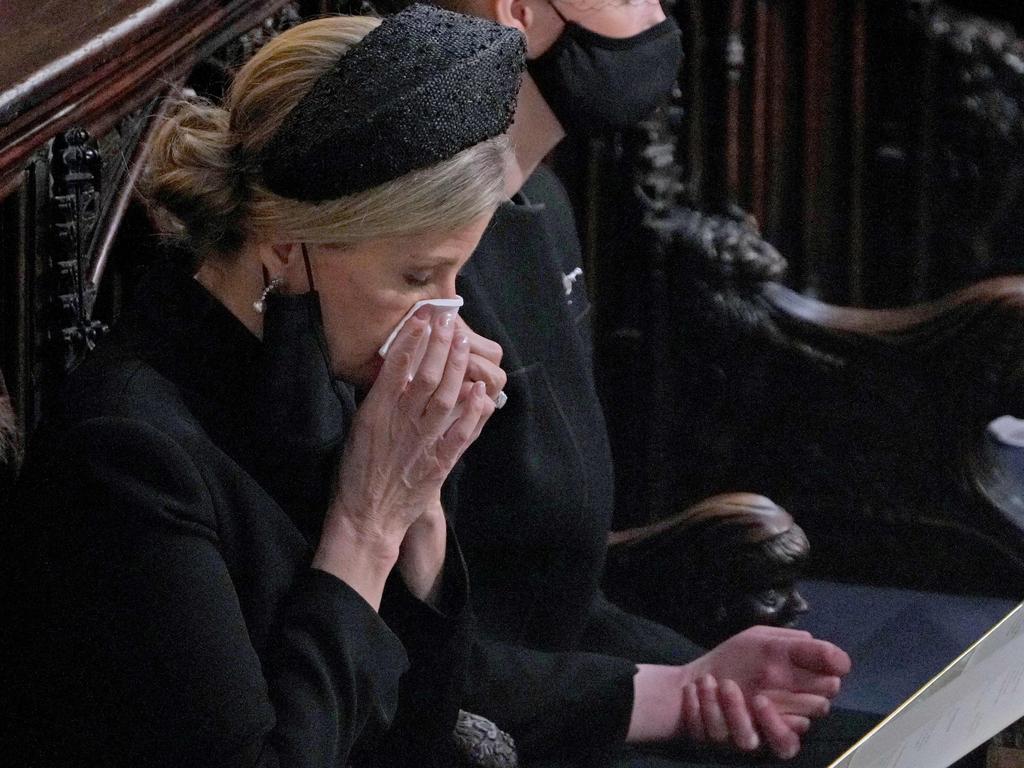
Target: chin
x=364 y=375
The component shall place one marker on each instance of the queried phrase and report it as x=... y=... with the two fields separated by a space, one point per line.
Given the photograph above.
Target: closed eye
x=418 y=279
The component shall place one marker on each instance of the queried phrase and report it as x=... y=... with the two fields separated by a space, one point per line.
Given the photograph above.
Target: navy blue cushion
x=898 y=639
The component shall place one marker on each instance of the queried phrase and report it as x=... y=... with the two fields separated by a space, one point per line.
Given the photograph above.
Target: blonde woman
x=221 y=559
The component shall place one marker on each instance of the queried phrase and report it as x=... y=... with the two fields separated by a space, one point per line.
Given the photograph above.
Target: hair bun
x=192 y=175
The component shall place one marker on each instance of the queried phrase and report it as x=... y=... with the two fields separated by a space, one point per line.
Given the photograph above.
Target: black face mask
x=301 y=410
x=596 y=84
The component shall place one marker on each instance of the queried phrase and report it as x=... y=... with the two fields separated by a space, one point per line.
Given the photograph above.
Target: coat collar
x=272 y=405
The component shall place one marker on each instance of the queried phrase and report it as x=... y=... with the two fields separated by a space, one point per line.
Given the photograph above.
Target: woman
x=200 y=572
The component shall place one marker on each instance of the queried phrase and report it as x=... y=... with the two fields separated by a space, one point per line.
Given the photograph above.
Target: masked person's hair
x=206 y=169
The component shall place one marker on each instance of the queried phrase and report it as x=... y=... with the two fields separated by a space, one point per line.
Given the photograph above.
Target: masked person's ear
x=512 y=13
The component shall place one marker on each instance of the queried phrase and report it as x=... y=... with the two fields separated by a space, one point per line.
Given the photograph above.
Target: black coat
x=556 y=661
x=165 y=613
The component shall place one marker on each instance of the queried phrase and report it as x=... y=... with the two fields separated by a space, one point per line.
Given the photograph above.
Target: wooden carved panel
x=868 y=426
x=69 y=232
x=874 y=141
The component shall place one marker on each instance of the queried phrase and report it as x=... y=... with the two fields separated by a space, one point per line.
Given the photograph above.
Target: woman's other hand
x=421 y=558
x=484 y=360
x=406 y=436
x=423 y=549
x=668 y=705
x=761 y=687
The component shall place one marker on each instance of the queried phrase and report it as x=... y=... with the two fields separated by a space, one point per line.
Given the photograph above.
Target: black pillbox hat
x=418 y=89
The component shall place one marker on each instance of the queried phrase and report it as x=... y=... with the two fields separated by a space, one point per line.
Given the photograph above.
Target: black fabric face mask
x=302 y=410
x=596 y=84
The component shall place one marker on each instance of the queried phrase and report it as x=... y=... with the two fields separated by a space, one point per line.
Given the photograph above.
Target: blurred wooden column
x=815 y=117
x=792 y=104
x=827 y=265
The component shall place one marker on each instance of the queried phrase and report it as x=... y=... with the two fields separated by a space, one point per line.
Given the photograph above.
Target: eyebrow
x=433 y=261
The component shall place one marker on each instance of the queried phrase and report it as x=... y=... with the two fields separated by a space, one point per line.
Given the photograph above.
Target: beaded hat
x=418 y=89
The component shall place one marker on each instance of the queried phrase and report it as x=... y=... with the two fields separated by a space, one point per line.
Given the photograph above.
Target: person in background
x=573 y=678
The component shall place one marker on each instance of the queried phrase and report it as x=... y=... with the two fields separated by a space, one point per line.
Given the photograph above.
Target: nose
x=796 y=606
x=622 y=19
x=448 y=289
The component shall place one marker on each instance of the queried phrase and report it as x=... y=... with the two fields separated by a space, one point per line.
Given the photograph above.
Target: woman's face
x=616 y=18
x=366 y=289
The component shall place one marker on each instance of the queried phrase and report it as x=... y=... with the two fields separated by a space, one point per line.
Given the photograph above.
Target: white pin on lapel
x=569 y=279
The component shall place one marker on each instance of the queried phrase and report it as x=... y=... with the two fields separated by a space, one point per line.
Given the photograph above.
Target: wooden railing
x=80 y=89
x=91 y=63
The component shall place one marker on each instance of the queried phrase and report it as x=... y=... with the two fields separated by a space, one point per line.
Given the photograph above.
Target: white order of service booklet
x=970 y=701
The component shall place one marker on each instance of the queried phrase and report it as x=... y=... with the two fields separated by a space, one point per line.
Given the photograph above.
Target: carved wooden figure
x=722 y=565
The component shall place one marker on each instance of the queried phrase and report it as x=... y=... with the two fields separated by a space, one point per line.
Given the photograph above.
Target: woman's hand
x=421 y=559
x=484 y=360
x=406 y=436
x=760 y=687
x=786 y=676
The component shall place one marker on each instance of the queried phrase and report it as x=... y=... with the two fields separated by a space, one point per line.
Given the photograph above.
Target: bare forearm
x=657 y=704
x=421 y=561
x=360 y=559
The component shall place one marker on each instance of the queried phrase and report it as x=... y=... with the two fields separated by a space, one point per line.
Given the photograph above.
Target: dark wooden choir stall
x=804 y=268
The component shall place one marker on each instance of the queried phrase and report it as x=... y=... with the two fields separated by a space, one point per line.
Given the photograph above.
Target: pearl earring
x=261 y=303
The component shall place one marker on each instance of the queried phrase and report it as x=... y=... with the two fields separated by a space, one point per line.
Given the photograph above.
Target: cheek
x=356 y=324
x=541 y=39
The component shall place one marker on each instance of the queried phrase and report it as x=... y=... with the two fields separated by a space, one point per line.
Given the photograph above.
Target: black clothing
x=167 y=612
x=597 y=85
x=556 y=662
x=829 y=738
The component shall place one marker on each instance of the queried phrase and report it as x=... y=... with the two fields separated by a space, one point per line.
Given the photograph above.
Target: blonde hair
x=204 y=167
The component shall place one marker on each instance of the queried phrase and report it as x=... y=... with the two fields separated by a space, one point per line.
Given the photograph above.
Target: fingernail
x=461 y=341
x=423 y=313
x=446 y=319
x=753 y=742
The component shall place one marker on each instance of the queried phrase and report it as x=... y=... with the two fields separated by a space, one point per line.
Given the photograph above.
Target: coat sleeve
x=437 y=639
x=133 y=643
x=612 y=630
x=571 y=703
x=554 y=704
